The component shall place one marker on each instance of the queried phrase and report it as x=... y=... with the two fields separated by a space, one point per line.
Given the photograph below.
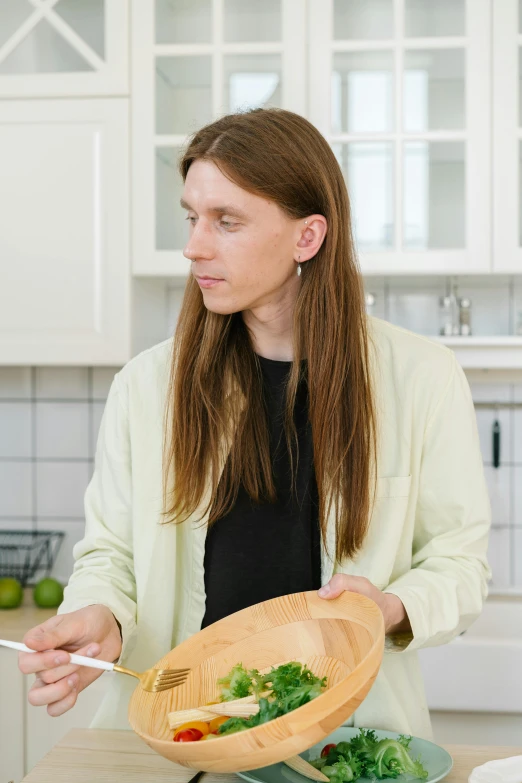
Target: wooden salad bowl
x=341 y=639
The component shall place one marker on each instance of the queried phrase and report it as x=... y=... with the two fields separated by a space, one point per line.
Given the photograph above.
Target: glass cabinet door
x=63 y=47
x=193 y=61
x=407 y=115
x=507 y=135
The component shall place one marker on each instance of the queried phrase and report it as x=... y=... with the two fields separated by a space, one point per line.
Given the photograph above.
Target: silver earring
x=298 y=267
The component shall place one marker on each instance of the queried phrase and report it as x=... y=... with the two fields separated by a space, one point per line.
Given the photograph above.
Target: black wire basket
x=25 y=554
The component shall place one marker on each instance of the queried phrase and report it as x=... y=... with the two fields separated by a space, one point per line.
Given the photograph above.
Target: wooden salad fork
x=152 y=680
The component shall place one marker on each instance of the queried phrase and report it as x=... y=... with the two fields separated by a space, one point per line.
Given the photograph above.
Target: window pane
x=434 y=89
x=250 y=20
x=362 y=92
x=171 y=226
x=426 y=18
x=87 y=18
x=183 y=21
x=434 y=195
x=183 y=93
x=368 y=171
x=362 y=19
x=12 y=15
x=252 y=81
x=44 y=50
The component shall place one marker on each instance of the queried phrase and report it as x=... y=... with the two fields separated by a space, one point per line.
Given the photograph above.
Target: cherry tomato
x=216 y=723
x=327 y=748
x=199 y=725
x=188 y=735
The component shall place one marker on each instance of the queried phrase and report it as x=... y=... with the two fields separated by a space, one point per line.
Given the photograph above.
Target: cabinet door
x=507 y=135
x=400 y=88
x=63 y=47
x=11 y=718
x=64 y=245
x=43 y=732
x=191 y=63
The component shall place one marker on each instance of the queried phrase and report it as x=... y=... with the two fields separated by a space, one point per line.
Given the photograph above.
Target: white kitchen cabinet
x=507 y=135
x=484 y=663
x=43 y=732
x=12 y=711
x=27 y=733
x=400 y=88
x=191 y=63
x=64 y=243
x=68 y=48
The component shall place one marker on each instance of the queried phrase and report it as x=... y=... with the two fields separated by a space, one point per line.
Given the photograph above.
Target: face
x=245 y=243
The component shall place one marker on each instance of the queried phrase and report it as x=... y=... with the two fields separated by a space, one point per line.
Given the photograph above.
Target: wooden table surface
x=107 y=756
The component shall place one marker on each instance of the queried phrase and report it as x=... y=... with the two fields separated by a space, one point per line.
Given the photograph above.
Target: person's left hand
x=392 y=608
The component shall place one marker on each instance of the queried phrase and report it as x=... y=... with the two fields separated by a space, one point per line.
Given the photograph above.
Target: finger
x=59 y=672
x=60 y=631
x=341 y=582
x=31 y=663
x=39 y=633
x=39 y=694
x=59 y=707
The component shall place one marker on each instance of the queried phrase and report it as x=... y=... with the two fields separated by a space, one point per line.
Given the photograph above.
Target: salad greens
x=366 y=756
x=286 y=688
x=289 y=686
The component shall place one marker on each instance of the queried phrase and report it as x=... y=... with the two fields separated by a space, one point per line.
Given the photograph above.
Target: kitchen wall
x=49 y=420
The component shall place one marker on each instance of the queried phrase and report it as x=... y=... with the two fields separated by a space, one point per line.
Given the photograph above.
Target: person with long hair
x=281 y=441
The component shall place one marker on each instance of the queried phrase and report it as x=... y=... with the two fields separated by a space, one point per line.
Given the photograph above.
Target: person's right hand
x=92 y=631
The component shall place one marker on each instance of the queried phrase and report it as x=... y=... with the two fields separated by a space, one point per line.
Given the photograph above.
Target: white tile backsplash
x=174 y=302
x=517 y=435
x=15 y=429
x=15 y=524
x=489 y=296
x=62 y=430
x=517 y=496
x=62 y=383
x=60 y=488
x=16 y=495
x=490 y=392
x=97 y=413
x=15 y=382
x=499 y=486
x=415 y=308
x=102 y=378
x=74 y=532
x=516 y=543
x=499 y=556
x=413 y=302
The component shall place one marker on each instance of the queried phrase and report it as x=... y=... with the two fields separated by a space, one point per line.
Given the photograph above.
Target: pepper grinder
x=465 y=316
x=449 y=311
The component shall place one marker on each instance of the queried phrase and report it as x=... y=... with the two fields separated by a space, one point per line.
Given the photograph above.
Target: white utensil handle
x=80 y=660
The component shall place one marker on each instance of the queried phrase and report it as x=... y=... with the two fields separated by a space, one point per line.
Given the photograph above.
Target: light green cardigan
x=427 y=539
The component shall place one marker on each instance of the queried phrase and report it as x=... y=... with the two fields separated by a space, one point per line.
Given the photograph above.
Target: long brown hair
x=215 y=405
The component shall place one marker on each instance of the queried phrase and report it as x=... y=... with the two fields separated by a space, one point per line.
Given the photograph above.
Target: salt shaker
x=448 y=313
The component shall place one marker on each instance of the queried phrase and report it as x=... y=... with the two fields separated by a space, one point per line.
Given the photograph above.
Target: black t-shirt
x=257 y=552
